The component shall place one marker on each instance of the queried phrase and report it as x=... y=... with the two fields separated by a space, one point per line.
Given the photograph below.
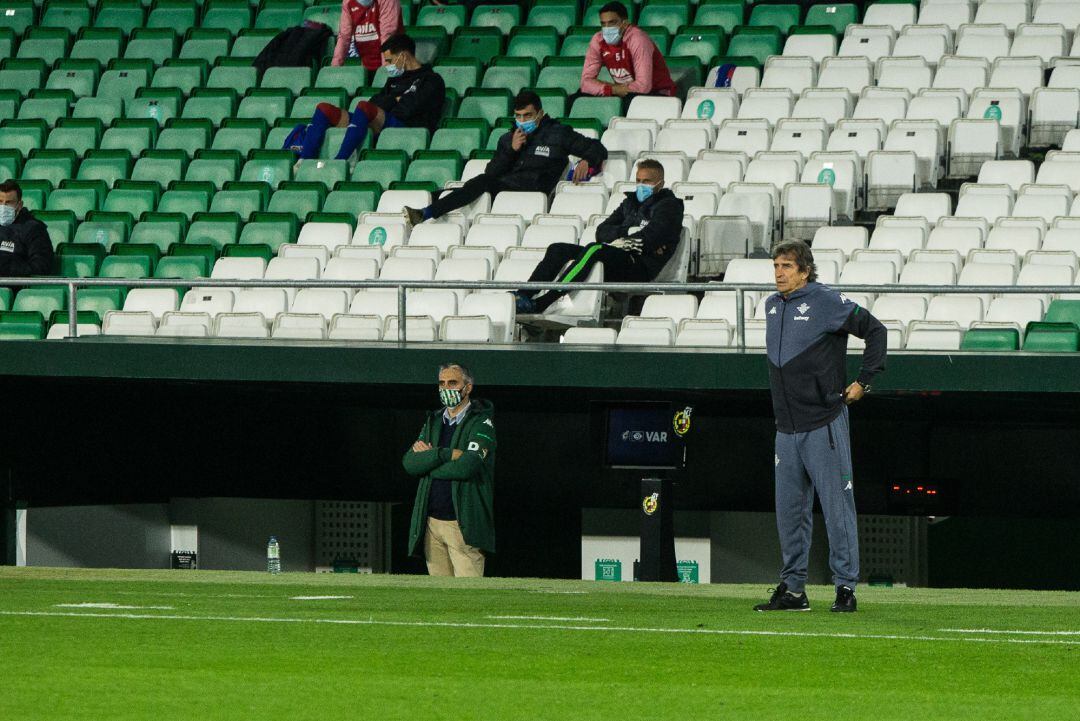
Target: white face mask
x=7 y=215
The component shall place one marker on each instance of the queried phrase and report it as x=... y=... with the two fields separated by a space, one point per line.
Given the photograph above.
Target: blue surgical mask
x=643 y=192
x=393 y=71
x=611 y=36
x=7 y=215
x=527 y=126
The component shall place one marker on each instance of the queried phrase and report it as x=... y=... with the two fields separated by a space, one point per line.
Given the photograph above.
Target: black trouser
x=620 y=266
x=460 y=197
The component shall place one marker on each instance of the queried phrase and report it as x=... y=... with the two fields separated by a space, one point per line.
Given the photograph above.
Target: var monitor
x=646 y=435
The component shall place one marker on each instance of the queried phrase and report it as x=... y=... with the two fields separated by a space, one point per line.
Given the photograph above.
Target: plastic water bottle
x=273 y=556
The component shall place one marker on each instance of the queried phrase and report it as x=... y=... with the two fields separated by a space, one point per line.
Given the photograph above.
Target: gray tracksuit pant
x=818 y=460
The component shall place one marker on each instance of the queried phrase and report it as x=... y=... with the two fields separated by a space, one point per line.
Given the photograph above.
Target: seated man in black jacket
x=531 y=157
x=412 y=98
x=628 y=257
x=25 y=247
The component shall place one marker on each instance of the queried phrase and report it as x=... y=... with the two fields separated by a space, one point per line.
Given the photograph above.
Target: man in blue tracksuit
x=806 y=331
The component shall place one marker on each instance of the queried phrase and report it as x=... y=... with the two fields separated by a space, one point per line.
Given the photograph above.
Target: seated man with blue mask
x=628 y=256
x=412 y=97
x=25 y=246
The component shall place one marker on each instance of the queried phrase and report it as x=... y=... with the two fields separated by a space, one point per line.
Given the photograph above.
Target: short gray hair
x=466 y=374
x=802 y=255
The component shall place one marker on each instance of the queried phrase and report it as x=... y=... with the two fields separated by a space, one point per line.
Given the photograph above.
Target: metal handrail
x=740 y=289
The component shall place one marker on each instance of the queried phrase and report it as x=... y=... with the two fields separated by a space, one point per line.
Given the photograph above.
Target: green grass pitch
x=160 y=645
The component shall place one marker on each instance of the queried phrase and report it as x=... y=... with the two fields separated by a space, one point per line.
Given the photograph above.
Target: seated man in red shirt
x=631 y=57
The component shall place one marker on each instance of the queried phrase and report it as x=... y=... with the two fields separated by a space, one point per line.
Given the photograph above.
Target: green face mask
x=450 y=397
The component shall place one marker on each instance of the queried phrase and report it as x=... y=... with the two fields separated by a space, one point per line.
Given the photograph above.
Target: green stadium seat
x=239 y=198
x=566 y=77
x=186 y=198
x=160 y=229
x=61 y=226
x=215 y=229
x=757 y=43
x=132 y=197
x=156 y=44
x=10 y=164
x=995 y=340
x=270 y=229
x=214 y=166
x=8 y=42
x=78 y=134
x=250 y=43
x=230 y=15
x=177 y=15
x=23 y=135
x=268 y=166
x=47 y=105
x=98 y=301
x=48 y=44
x=21 y=326
x=558 y=15
x=270 y=105
x=241 y=135
x=687 y=73
x=300 y=199
x=124 y=15
x=461 y=74
x=463 y=140
x=349 y=77
x=533 y=42
x=494 y=136
x=240 y=78
x=103 y=110
x=183 y=74
x=408 y=139
x=703 y=46
x=1063 y=311
x=352 y=198
x=44 y=300
x=77 y=76
x=212 y=105
x=671 y=14
x=9 y=104
x=209 y=44
x=248 y=250
x=491 y=105
x=1046 y=337
x=431 y=43
x=22 y=75
x=727 y=15
x=502 y=17
x=327 y=172
x=54 y=166
x=134 y=136
x=510 y=76
x=160 y=166
x=105 y=229
x=327 y=13
x=78 y=262
x=106 y=165
x=35 y=193
x=182 y=267
x=280 y=14
x=575 y=46
x=305 y=104
x=159 y=104
x=836 y=15
x=78 y=200
x=481 y=44
x=18 y=15
x=99 y=44
x=591 y=16
x=435 y=166
x=205 y=251
x=72 y=15
x=130 y=267
x=380 y=166
x=602 y=109
x=122 y=83
x=450 y=17
x=185 y=136
x=781 y=16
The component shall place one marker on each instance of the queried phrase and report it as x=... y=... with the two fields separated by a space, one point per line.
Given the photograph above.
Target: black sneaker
x=412 y=216
x=784 y=600
x=845 y=600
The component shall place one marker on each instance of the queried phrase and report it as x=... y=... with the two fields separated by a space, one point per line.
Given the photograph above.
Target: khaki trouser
x=446 y=552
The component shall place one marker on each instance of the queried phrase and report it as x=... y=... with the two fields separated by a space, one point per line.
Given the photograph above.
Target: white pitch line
x=537 y=627
x=114 y=606
x=550 y=618
x=1009 y=633
x=317 y=598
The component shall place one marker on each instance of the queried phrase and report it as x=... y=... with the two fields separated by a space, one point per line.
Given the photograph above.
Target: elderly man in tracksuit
x=806 y=330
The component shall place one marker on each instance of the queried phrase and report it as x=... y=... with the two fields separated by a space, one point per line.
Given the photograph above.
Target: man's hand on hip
x=853 y=392
x=421 y=446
